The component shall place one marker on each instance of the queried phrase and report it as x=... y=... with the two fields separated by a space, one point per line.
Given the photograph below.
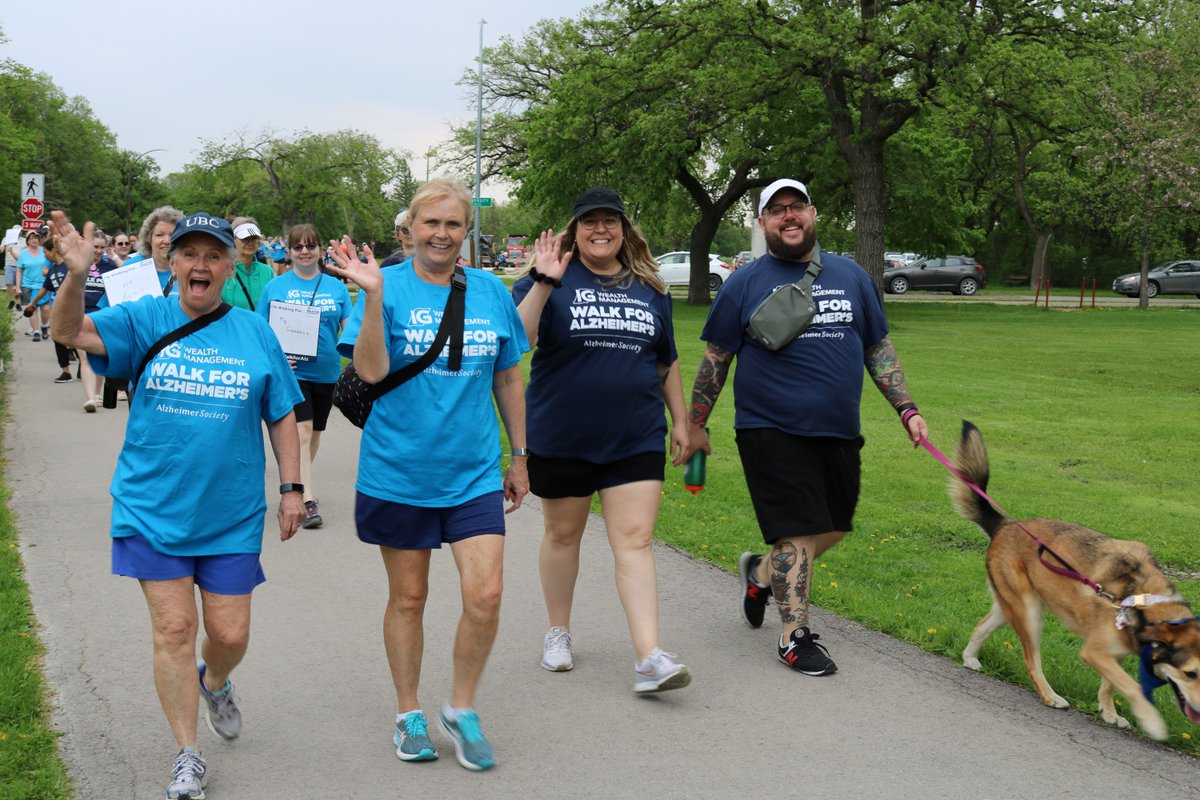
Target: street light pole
x=478 y=145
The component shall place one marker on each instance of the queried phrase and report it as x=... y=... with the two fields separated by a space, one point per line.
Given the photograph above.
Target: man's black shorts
x=800 y=485
x=318 y=401
x=553 y=478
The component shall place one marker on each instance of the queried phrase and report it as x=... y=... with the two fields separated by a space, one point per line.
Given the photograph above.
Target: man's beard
x=789 y=252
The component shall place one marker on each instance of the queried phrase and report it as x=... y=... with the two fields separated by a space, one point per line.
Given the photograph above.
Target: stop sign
x=32 y=208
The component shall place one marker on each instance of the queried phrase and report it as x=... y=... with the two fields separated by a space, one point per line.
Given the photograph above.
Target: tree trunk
x=866 y=173
x=1040 y=268
x=703 y=233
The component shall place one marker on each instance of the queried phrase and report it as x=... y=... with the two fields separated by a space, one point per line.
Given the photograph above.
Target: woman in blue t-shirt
x=305 y=284
x=31 y=269
x=429 y=460
x=600 y=316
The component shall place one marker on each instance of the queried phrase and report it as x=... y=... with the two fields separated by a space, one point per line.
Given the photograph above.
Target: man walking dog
x=797 y=392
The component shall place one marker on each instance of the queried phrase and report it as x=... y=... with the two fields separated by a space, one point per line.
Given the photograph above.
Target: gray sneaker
x=660 y=672
x=221 y=711
x=312 y=516
x=412 y=740
x=471 y=747
x=556 y=650
x=189 y=776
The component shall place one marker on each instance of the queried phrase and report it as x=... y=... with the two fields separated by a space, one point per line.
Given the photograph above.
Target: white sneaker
x=659 y=672
x=89 y=406
x=556 y=650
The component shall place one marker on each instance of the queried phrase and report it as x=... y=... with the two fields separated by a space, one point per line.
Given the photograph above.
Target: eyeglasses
x=607 y=221
x=779 y=209
x=306 y=247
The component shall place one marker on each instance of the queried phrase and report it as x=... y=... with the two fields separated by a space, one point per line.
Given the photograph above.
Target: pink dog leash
x=1066 y=570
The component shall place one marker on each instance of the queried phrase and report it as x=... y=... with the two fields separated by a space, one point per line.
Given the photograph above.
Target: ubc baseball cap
x=246 y=230
x=202 y=222
x=782 y=183
x=598 y=197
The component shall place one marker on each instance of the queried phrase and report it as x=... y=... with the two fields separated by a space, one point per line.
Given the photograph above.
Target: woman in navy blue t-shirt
x=600 y=317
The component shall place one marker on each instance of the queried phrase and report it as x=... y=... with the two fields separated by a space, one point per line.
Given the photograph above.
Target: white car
x=676 y=269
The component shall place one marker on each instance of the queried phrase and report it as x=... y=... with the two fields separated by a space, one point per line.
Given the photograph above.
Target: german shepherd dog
x=1148 y=616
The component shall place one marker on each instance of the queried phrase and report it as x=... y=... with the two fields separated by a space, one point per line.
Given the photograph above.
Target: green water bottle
x=693 y=476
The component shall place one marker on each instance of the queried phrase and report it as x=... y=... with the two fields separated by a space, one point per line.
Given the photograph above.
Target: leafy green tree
x=1147 y=152
x=344 y=182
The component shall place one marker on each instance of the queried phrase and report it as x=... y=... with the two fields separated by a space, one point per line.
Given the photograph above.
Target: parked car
x=1173 y=277
x=741 y=259
x=958 y=274
x=676 y=269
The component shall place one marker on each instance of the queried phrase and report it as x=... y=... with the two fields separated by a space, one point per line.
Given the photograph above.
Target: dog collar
x=1141 y=601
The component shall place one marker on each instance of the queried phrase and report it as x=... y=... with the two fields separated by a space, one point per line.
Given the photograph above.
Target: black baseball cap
x=598 y=197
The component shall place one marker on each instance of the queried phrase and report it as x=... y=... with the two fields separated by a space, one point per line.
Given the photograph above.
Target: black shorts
x=317 y=403
x=554 y=478
x=800 y=485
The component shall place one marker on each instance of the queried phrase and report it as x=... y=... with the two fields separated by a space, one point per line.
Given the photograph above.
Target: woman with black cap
x=600 y=316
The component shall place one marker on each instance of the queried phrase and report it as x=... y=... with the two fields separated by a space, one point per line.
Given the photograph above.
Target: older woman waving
x=429 y=462
x=188 y=501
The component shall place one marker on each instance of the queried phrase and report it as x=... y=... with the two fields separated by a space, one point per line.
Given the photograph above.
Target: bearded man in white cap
x=797 y=391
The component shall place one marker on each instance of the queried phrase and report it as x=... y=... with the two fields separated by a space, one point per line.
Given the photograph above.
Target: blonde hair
x=434 y=191
x=634 y=256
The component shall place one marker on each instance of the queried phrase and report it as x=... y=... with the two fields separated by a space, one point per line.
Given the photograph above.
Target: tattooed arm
x=710 y=379
x=883 y=365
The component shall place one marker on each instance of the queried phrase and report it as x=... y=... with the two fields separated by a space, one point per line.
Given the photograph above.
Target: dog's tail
x=971 y=460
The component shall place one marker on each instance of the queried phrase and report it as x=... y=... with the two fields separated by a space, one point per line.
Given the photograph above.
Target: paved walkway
x=894 y=722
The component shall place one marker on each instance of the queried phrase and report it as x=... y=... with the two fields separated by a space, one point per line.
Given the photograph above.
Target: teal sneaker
x=471 y=747
x=412 y=739
x=220 y=709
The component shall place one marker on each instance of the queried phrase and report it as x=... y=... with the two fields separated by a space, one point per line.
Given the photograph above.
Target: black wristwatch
x=284 y=488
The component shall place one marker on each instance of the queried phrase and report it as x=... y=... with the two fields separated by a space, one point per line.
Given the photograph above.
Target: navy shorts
x=554 y=478
x=317 y=403
x=406 y=527
x=800 y=485
x=235 y=573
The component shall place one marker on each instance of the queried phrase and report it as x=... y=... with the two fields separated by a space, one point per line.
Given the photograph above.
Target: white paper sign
x=297 y=327
x=131 y=282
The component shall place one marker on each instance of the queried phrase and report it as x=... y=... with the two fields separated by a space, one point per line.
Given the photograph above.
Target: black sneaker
x=312 y=517
x=12 y=304
x=63 y=377
x=804 y=654
x=754 y=596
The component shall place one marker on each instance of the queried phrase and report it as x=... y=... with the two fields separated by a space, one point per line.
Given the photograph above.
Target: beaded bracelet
x=540 y=278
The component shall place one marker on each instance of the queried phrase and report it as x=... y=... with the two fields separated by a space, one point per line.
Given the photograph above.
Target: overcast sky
x=165 y=75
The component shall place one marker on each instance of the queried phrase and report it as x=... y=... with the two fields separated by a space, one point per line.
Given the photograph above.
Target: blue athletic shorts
x=236 y=573
x=406 y=527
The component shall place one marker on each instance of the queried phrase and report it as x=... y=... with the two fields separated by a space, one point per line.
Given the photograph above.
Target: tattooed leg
x=783 y=561
x=791 y=576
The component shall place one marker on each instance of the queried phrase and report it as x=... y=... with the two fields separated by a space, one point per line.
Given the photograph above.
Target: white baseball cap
x=782 y=183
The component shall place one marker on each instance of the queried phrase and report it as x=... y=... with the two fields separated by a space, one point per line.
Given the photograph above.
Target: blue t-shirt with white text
x=434 y=440
x=333 y=299
x=190 y=474
x=813 y=385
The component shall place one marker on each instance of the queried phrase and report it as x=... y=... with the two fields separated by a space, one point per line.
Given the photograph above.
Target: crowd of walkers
x=248 y=334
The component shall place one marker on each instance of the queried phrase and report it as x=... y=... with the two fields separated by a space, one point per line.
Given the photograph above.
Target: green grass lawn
x=1089 y=416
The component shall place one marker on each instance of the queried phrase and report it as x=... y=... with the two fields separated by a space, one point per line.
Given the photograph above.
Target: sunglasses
x=121 y=244
x=306 y=247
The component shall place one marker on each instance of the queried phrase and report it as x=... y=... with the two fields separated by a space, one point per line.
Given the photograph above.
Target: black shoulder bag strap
x=199 y=322
x=453 y=318
x=242 y=284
